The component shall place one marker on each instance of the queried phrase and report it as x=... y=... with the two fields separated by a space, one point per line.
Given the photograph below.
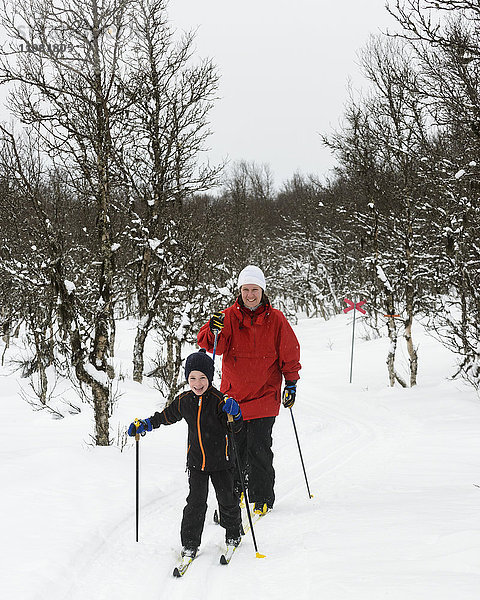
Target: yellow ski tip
x=260 y=555
x=311 y=495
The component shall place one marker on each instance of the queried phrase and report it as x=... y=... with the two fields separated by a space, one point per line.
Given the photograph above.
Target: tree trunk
x=173 y=366
x=100 y=393
x=104 y=317
x=412 y=352
x=42 y=391
x=101 y=404
x=410 y=296
x=143 y=328
x=42 y=359
x=145 y=316
x=393 y=335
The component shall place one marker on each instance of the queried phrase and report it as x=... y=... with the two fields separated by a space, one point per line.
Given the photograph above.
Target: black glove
x=217 y=322
x=289 y=393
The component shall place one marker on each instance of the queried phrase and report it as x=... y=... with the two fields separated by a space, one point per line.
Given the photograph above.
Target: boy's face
x=251 y=295
x=198 y=382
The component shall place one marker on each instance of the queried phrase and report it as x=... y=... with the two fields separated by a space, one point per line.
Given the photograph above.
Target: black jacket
x=208 y=443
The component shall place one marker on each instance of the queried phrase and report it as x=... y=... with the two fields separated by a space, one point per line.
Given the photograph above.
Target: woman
x=259 y=347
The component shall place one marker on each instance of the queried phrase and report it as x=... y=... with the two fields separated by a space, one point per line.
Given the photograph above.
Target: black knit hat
x=200 y=361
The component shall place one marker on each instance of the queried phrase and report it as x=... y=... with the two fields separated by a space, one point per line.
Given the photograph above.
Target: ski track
x=92 y=562
x=393 y=513
x=349 y=433
x=117 y=567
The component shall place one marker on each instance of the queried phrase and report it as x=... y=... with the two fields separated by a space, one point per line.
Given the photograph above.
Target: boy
x=208 y=457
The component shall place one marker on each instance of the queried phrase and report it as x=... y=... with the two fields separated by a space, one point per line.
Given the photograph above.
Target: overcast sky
x=284 y=68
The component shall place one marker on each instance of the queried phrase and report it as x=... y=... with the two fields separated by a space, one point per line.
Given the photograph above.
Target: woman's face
x=251 y=295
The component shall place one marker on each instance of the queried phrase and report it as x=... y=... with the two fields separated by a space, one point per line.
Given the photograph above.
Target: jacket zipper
x=199 y=431
x=254 y=336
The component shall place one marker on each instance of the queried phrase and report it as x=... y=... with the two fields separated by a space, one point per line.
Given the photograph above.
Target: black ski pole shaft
x=237 y=460
x=137 y=490
x=137 y=479
x=244 y=489
x=300 y=452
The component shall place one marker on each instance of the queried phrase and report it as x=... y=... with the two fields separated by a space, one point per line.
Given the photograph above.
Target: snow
x=384 y=278
x=69 y=286
x=154 y=243
x=394 y=513
x=100 y=376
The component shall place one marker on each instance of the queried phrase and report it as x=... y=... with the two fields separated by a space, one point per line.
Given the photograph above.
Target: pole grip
x=137 y=425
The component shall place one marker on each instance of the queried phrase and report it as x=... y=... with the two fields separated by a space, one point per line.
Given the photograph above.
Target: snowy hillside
x=395 y=512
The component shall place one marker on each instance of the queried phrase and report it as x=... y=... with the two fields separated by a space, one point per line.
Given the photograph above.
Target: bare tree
x=169 y=122
x=387 y=133
x=65 y=63
x=445 y=36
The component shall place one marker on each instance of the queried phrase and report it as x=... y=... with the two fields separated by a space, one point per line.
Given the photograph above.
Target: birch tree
x=65 y=63
x=173 y=95
x=445 y=36
x=385 y=137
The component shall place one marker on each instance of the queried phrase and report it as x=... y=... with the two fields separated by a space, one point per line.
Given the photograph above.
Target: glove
x=231 y=407
x=217 y=322
x=144 y=425
x=289 y=393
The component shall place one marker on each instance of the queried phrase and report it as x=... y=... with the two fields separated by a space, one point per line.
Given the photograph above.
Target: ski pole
x=237 y=460
x=216 y=332
x=244 y=489
x=137 y=479
x=300 y=451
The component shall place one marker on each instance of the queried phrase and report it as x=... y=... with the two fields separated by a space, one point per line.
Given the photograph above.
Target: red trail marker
x=352 y=306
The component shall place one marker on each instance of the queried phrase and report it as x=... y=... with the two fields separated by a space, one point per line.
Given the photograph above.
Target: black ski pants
x=196 y=508
x=254 y=444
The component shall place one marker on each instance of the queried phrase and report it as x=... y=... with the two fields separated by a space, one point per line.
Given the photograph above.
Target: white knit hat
x=251 y=275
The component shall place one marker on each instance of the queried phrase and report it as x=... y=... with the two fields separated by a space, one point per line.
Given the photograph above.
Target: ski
x=227 y=556
x=255 y=518
x=182 y=566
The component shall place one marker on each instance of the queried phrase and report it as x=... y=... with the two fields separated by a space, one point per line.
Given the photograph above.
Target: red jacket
x=258 y=348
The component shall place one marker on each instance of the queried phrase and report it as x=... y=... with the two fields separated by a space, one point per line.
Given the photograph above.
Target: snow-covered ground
x=395 y=512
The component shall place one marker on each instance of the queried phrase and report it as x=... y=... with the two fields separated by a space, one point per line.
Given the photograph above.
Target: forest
x=109 y=212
